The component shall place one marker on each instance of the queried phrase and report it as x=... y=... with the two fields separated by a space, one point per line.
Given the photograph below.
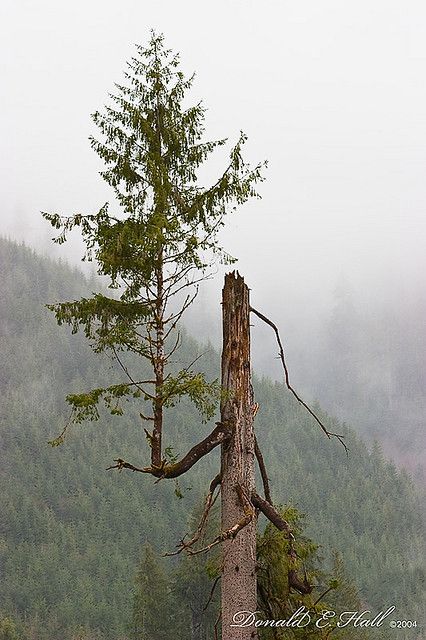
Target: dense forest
x=76 y=541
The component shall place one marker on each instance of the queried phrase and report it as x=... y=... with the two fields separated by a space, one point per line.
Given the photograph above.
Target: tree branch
x=322 y=596
x=147 y=418
x=211 y=593
x=328 y=433
x=221 y=433
x=272 y=514
x=231 y=534
x=209 y=502
x=174 y=318
x=263 y=471
x=126 y=371
x=303 y=587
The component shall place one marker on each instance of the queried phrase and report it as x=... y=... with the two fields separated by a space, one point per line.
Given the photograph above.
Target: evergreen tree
x=155 y=616
x=334 y=591
x=158 y=246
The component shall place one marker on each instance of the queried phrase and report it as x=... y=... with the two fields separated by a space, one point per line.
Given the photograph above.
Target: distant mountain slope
x=71 y=533
x=364 y=359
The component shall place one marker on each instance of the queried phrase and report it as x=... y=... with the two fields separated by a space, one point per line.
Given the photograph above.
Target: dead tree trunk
x=238 y=582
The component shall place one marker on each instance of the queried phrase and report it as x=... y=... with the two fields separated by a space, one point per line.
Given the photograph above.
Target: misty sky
x=332 y=93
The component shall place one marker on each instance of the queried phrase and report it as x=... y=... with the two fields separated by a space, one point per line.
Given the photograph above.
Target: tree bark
x=238 y=584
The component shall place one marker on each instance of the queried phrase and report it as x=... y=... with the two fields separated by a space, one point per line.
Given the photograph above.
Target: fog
x=331 y=93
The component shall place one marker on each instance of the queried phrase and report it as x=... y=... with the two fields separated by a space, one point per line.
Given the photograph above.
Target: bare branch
x=208 y=504
x=231 y=534
x=147 y=418
x=188 y=283
x=211 y=593
x=322 y=596
x=328 y=433
x=175 y=347
x=60 y=439
x=121 y=464
x=220 y=434
x=126 y=371
x=177 y=316
x=263 y=471
x=179 y=273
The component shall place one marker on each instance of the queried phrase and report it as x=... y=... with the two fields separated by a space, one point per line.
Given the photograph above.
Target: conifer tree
x=155 y=616
x=155 y=249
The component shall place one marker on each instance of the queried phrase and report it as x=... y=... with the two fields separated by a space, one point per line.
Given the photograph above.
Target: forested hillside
x=363 y=357
x=71 y=533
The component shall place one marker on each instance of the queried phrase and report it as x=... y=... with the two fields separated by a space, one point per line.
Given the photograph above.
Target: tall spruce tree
x=157 y=247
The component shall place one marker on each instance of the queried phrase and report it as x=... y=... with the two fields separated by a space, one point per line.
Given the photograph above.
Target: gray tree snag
x=237 y=461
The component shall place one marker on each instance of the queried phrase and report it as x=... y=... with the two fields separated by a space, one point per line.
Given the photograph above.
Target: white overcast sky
x=332 y=93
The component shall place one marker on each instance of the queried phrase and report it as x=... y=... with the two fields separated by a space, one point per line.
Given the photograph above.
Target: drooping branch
x=215 y=583
x=126 y=371
x=221 y=433
x=175 y=347
x=208 y=504
x=302 y=586
x=263 y=472
x=328 y=433
x=147 y=418
x=322 y=596
x=55 y=442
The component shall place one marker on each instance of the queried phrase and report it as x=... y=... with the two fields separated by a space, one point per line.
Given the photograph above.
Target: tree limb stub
x=328 y=433
x=220 y=434
x=272 y=514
